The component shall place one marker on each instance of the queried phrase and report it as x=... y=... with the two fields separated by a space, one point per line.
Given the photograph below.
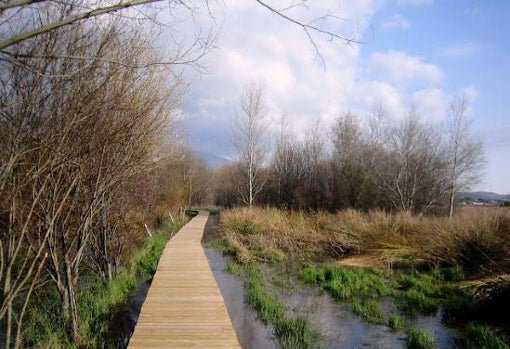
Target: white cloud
x=256 y=46
x=460 y=50
x=369 y=95
x=415 y=2
x=470 y=92
x=431 y=104
x=399 y=66
x=396 y=21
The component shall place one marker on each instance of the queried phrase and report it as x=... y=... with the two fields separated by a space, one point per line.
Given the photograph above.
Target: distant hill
x=482 y=196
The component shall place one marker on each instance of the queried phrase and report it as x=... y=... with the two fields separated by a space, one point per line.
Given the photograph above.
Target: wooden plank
x=184 y=307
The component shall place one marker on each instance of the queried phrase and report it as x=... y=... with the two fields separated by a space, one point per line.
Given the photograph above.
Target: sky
x=423 y=53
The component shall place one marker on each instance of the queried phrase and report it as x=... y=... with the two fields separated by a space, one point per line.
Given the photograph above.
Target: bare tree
x=76 y=131
x=24 y=20
x=313 y=189
x=465 y=151
x=410 y=171
x=287 y=164
x=249 y=140
x=349 y=160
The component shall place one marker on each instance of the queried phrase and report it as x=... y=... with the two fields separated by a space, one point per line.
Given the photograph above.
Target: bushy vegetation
x=99 y=302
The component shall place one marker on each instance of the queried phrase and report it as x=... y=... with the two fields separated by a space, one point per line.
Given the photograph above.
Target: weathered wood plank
x=184 y=307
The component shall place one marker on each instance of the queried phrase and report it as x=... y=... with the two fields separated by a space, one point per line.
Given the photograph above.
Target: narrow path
x=184 y=307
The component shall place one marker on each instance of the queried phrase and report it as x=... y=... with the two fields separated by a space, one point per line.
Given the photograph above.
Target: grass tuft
x=369 y=310
x=419 y=339
x=296 y=333
x=395 y=322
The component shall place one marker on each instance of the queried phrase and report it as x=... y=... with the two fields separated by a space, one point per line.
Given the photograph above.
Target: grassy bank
x=100 y=302
x=424 y=264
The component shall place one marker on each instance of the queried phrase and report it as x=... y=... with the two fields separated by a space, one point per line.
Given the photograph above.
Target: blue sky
x=415 y=52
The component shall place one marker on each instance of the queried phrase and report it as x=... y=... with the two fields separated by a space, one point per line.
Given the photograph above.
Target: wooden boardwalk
x=184 y=307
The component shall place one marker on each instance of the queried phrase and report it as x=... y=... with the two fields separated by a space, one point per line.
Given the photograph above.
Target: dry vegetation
x=476 y=239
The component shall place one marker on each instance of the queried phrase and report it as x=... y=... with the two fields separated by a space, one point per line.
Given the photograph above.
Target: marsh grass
x=368 y=310
x=396 y=322
x=480 y=337
x=475 y=241
x=419 y=339
x=296 y=333
x=346 y=283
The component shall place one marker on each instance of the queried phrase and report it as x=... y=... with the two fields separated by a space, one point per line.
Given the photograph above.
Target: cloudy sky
x=414 y=52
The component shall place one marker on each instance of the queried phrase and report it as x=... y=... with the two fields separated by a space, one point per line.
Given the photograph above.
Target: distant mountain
x=482 y=196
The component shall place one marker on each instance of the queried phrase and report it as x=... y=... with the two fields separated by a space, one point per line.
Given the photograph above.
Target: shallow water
x=251 y=332
x=340 y=328
x=344 y=330
x=131 y=313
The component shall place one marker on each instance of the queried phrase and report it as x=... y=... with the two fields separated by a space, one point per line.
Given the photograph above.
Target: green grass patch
x=368 y=310
x=395 y=322
x=419 y=339
x=419 y=293
x=347 y=283
x=477 y=336
x=147 y=262
x=414 y=292
x=296 y=333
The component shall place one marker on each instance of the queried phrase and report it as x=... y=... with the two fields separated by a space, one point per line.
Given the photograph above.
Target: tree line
x=89 y=154
x=382 y=161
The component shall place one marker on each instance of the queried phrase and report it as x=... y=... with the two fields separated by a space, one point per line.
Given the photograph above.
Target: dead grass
x=477 y=239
